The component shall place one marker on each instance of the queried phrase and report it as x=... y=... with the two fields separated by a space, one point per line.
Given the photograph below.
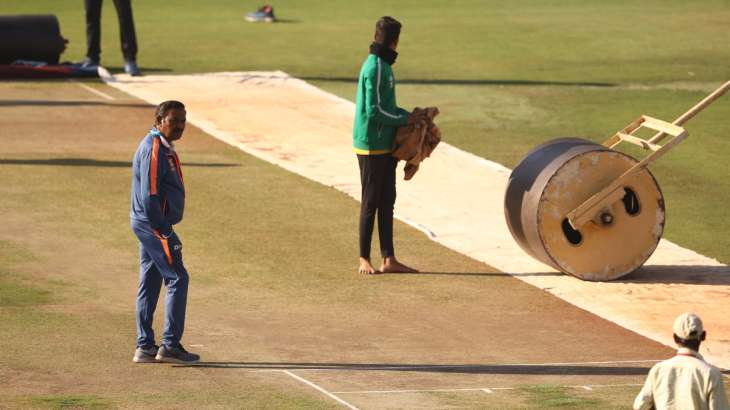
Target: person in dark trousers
x=158 y=201
x=126 y=32
x=377 y=116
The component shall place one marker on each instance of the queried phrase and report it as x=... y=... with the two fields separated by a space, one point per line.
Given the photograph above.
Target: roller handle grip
x=694 y=110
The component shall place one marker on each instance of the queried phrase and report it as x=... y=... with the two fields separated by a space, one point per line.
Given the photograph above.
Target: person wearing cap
x=685 y=381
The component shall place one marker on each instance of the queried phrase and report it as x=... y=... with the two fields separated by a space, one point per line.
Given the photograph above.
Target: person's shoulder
x=370 y=65
x=148 y=142
x=708 y=371
x=665 y=364
x=153 y=138
x=659 y=365
x=703 y=364
x=711 y=369
x=698 y=364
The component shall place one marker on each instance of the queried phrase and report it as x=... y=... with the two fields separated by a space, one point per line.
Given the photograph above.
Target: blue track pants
x=160 y=261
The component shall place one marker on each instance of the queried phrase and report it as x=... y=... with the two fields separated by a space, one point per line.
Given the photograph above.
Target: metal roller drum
x=558 y=176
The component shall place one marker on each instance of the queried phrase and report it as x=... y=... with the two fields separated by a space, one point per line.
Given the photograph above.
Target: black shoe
x=89 y=62
x=145 y=355
x=177 y=354
x=131 y=68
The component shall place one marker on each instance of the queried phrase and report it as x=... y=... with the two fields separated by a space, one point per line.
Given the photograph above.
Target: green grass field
x=506 y=76
x=481 y=41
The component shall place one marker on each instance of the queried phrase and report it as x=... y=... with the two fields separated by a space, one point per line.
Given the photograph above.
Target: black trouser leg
x=377 y=176
x=369 y=179
x=126 y=29
x=93 y=28
x=385 y=208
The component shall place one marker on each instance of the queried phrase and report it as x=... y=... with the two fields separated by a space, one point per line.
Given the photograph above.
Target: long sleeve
x=645 y=399
x=152 y=169
x=717 y=398
x=374 y=95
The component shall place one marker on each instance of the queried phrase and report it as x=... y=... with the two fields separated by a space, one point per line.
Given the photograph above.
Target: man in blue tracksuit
x=158 y=201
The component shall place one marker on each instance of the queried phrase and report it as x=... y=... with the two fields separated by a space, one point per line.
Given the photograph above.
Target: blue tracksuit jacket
x=158 y=192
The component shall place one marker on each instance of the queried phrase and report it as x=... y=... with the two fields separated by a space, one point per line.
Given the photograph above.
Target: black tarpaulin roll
x=30 y=37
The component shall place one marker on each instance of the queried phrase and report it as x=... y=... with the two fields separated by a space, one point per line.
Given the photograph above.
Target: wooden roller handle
x=694 y=110
x=584 y=212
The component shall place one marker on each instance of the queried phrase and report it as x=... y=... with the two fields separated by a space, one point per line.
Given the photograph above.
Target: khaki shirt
x=685 y=381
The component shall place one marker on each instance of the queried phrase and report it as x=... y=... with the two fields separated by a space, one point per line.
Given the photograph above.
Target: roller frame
x=593 y=206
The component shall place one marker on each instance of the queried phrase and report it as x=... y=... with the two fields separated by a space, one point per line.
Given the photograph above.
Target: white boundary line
x=307 y=382
x=489 y=390
x=92 y=90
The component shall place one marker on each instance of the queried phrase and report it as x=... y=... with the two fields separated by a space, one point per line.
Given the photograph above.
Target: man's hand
x=164 y=233
x=168 y=234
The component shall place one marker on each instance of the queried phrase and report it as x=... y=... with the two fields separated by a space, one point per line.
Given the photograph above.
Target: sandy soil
x=456 y=198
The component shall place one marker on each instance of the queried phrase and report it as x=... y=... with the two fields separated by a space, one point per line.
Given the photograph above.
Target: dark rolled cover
x=30 y=37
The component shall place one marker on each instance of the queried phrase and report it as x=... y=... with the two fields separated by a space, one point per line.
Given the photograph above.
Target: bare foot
x=366 y=268
x=391 y=265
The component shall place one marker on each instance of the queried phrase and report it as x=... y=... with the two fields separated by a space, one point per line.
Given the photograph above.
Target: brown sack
x=415 y=142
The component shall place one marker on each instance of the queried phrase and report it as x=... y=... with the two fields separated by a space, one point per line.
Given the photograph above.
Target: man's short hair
x=387 y=31
x=165 y=107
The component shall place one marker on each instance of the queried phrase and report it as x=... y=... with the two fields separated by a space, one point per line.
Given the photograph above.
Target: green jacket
x=377 y=116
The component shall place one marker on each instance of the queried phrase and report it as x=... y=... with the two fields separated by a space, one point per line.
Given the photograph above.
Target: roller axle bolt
x=606 y=218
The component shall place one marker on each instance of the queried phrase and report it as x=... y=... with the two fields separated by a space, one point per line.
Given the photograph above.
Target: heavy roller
x=591 y=211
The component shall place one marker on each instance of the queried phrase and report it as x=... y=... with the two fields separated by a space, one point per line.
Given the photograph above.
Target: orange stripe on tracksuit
x=158 y=193
x=179 y=169
x=165 y=247
x=153 y=166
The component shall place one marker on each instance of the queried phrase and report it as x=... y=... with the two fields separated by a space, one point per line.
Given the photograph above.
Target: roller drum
x=556 y=177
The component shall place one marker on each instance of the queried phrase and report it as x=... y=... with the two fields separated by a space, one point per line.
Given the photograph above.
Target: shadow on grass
x=677 y=274
x=477 y=274
x=86 y=162
x=120 y=69
x=446 y=368
x=468 y=82
x=690 y=275
x=70 y=103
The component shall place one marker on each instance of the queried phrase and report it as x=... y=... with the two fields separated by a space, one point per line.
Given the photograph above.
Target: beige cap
x=688 y=326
